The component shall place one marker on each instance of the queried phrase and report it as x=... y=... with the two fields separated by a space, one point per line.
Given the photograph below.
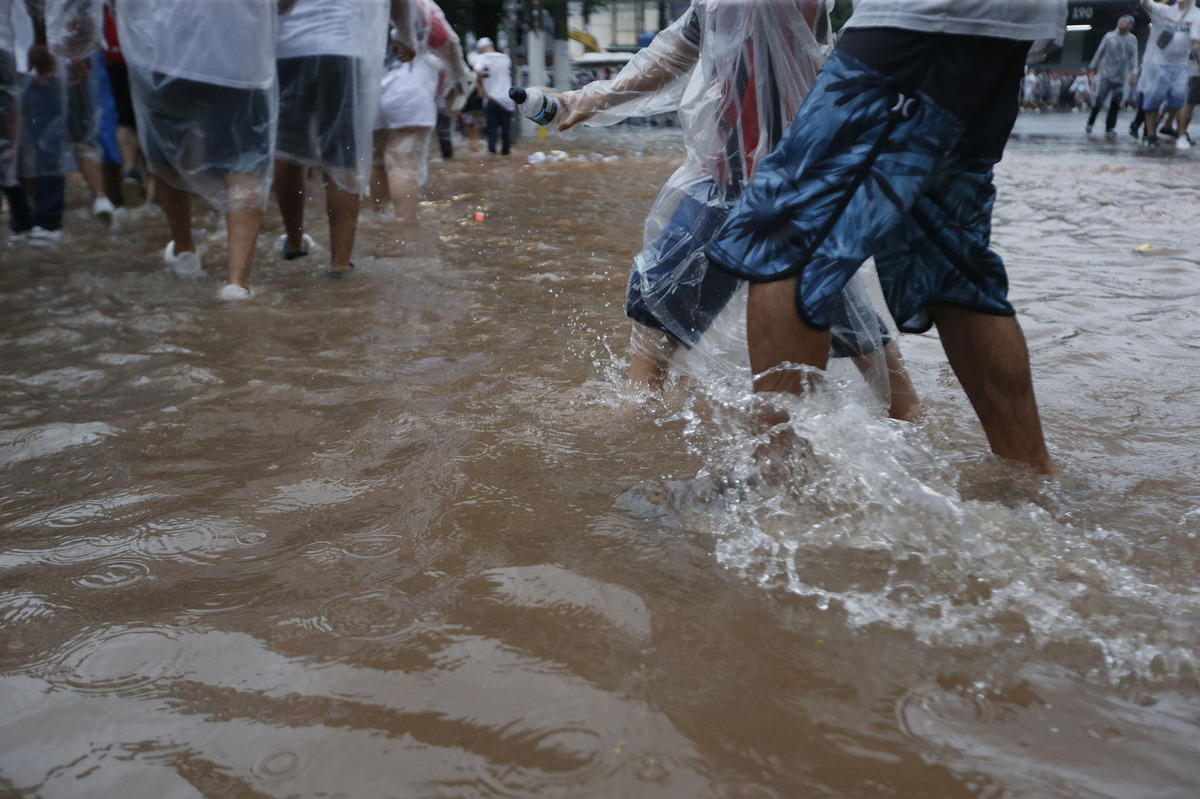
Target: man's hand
x=459 y=92
x=404 y=52
x=583 y=108
x=43 y=63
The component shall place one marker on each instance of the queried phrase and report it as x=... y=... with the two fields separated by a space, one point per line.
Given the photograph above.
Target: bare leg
x=379 y=187
x=342 y=207
x=89 y=167
x=990 y=358
x=776 y=335
x=902 y=400
x=243 y=221
x=1152 y=123
x=905 y=405
x=129 y=147
x=650 y=354
x=243 y=227
x=402 y=187
x=289 y=193
x=1185 y=119
x=472 y=131
x=177 y=205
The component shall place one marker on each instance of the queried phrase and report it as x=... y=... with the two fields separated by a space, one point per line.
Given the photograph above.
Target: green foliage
x=842 y=9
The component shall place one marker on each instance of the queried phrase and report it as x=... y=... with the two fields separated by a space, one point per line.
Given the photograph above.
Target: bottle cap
x=517 y=94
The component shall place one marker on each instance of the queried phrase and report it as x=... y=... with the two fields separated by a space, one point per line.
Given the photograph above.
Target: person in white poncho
x=330 y=55
x=737 y=71
x=408 y=111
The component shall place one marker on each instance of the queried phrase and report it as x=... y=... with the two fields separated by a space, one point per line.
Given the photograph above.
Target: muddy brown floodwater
x=399 y=536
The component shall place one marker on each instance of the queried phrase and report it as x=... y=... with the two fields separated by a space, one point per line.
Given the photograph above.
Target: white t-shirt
x=409 y=95
x=496 y=70
x=329 y=27
x=224 y=42
x=1187 y=30
x=1023 y=20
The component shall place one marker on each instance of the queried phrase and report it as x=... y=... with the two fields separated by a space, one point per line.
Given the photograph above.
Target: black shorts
x=1193 y=92
x=118 y=82
x=192 y=126
x=963 y=74
x=318 y=106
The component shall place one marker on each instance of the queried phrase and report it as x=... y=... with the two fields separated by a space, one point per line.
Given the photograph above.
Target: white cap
x=484 y=42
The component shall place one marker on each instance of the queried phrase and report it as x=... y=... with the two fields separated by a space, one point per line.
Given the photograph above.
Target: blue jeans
x=499 y=121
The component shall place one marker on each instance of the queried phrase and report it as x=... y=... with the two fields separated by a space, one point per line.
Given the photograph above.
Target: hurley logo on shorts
x=904 y=107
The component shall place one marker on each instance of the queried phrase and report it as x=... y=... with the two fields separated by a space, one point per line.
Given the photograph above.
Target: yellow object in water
x=1145 y=248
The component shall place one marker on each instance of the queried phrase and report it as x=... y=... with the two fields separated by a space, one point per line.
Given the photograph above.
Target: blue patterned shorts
x=673 y=288
x=868 y=171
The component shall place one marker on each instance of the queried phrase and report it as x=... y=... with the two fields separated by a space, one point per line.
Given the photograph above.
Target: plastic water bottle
x=535 y=104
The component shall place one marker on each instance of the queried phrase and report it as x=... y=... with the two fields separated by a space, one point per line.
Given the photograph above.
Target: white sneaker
x=233 y=292
x=307 y=246
x=40 y=237
x=1182 y=143
x=103 y=210
x=185 y=264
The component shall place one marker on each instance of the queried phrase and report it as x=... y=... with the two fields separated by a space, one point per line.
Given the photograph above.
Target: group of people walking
x=221 y=100
x=803 y=161
x=1166 y=84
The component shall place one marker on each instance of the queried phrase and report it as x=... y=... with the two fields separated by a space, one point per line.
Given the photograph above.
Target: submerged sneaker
x=1151 y=141
x=184 y=264
x=233 y=292
x=1183 y=142
x=103 y=210
x=1088 y=129
x=1167 y=130
x=41 y=237
x=133 y=189
x=307 y=245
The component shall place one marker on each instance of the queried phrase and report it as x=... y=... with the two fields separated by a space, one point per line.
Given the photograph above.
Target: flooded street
x=401 y=535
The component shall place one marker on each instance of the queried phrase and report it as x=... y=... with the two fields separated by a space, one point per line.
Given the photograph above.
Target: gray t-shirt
x=1023 y=20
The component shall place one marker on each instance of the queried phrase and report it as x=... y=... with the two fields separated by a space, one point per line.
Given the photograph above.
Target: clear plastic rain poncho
x=74 y=28
x=737 y=71
x=435 y=40
x=35 y=127
x=10 y=96
x=330 y=55
x=203 y=78
x=75 y=32
x=408 y=94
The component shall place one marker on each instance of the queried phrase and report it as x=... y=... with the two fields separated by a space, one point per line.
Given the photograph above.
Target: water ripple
x=113 y=574
x=126 y=661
